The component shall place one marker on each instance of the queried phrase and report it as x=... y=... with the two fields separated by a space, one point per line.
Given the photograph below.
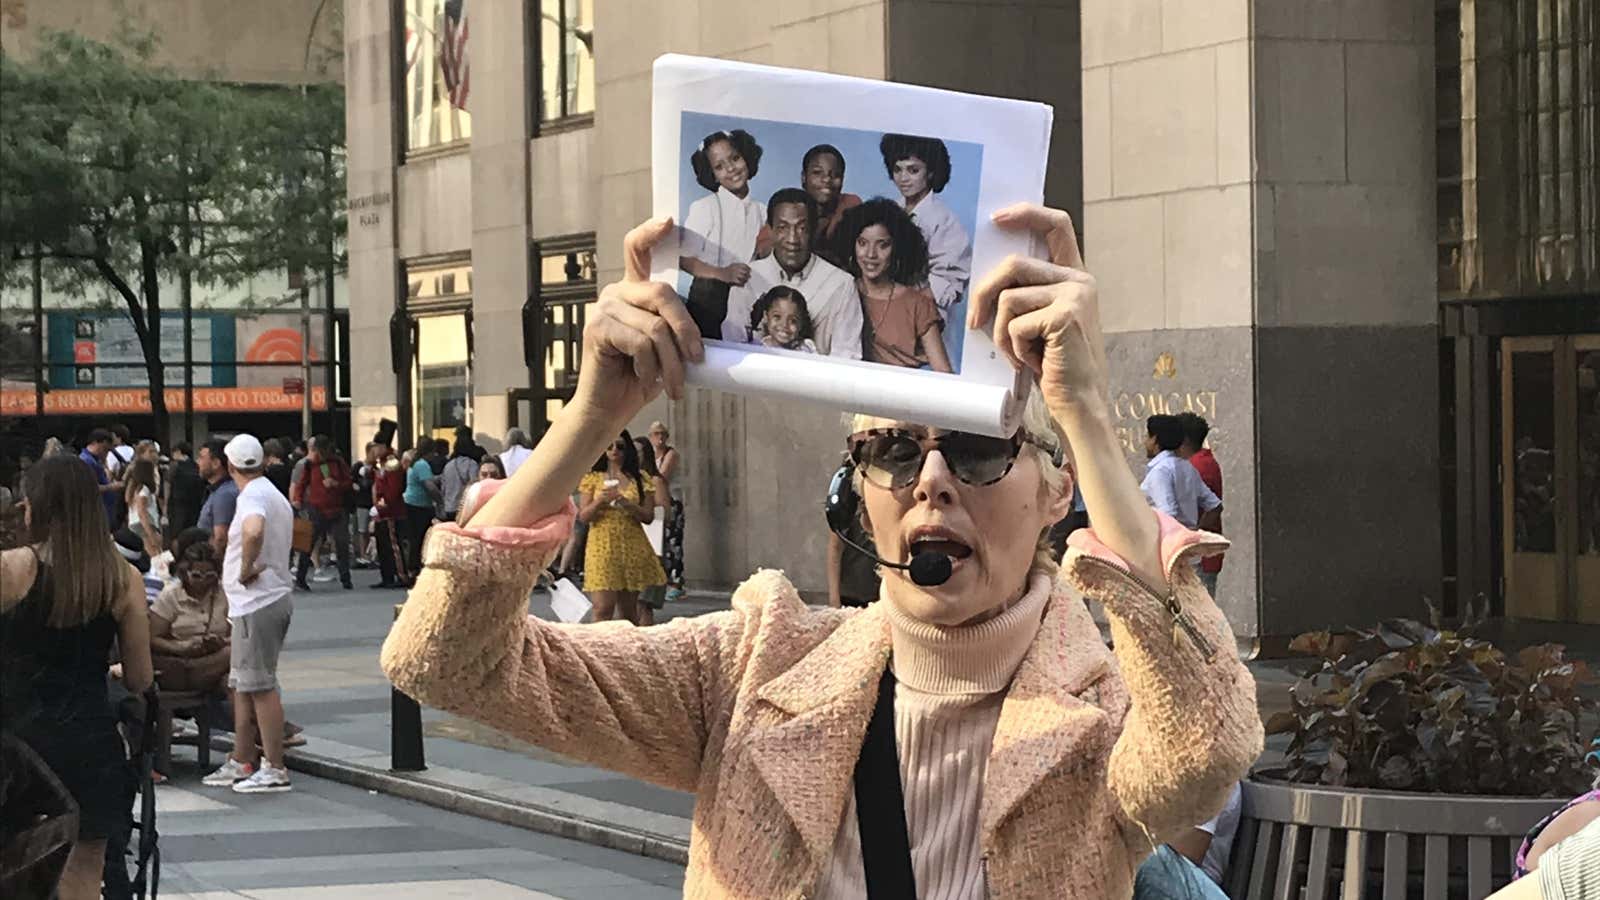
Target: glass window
x=566 y=58
x=1588 y=449
x=566 y=288
x=438 y=74
x=442 y=377
x=1534 y=451
x=438 y=283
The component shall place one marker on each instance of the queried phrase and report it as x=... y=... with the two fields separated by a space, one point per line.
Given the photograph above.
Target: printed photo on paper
x=838 y=242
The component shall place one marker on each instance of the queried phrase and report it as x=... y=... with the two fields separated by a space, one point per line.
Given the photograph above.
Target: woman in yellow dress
x=618 y=500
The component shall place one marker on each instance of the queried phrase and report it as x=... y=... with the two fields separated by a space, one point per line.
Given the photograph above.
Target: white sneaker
x=230 y=771
x=266 y=780
x=183 y=728
x=324 y=574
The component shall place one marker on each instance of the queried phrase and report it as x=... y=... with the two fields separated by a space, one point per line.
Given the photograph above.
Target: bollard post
x=405 y=728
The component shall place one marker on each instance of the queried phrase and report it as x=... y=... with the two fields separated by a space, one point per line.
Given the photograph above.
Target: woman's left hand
x=1046 y=315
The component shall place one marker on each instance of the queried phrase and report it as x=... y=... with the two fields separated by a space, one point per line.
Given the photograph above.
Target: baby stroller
x=140 y=841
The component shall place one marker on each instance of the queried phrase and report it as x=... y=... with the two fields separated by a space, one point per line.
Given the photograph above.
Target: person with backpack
x=323 y=491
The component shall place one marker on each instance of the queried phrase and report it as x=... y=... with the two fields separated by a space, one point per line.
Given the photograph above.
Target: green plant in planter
x=1413 y=707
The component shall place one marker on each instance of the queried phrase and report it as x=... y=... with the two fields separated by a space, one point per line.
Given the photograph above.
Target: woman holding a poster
x=977 y=714
x=721 y=232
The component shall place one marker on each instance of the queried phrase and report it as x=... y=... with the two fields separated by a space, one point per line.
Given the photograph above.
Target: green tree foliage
x=122 y=175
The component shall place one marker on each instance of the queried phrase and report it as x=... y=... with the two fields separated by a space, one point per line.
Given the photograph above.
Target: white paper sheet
x=656 y=531
x=567 y=602
x=788 y=111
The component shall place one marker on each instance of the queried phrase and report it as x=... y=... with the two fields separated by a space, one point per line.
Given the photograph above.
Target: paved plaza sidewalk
x=334 y=688
x=325 y=840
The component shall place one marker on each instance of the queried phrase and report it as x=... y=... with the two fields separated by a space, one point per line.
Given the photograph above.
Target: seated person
x=189 y=621
x=1191 y=866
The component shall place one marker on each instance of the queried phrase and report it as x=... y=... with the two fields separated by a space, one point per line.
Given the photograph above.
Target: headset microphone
x=927 y=569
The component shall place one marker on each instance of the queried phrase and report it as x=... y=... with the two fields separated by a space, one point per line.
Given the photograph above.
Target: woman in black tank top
x=65 y=598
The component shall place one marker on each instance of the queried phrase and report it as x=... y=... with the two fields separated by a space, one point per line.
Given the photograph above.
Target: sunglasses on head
x=892 y=458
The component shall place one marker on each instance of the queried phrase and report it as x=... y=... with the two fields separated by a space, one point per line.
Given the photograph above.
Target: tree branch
x=122 y=287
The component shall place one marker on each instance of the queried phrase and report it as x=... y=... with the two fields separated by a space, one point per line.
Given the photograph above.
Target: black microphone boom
x=927 y=569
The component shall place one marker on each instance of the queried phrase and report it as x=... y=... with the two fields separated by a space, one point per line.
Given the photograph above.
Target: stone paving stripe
x=303 y=842
x=246 y=822
x=672 y=848
x=171 y=799
x=250 y=871
x=468 y=889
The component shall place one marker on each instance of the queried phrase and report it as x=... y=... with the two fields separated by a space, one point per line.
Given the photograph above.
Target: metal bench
x=1313 y=843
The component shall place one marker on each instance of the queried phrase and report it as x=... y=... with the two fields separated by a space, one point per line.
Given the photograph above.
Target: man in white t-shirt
x=255 y=576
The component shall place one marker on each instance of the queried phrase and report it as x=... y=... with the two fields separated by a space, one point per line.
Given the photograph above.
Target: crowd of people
x=127 y=566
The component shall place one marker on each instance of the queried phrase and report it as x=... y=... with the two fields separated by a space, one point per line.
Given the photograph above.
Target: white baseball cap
x=244 y=452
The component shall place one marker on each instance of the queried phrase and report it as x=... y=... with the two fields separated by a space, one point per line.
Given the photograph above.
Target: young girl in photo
x=780 y=319
x=889 y=259
x=920 y=169
x=721 y=233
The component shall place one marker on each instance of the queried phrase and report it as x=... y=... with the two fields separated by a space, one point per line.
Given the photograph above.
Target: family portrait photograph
x=839 y=242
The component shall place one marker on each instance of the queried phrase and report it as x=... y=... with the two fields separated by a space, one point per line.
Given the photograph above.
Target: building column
x=371 y=135
x=1258 y=180
x=501 y=105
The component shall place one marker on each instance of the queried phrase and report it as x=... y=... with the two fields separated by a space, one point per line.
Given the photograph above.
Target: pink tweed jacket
x=760 y=710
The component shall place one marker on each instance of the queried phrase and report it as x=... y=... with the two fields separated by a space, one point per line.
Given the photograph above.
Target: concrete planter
x=1310 y=842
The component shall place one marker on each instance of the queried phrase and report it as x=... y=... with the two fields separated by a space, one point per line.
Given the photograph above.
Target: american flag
x=453 y=60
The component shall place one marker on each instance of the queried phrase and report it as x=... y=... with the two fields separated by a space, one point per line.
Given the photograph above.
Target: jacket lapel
x=1044 y=720
x=807 y=756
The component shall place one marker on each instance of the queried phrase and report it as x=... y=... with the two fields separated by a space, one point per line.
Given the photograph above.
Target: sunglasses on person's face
x=200 y=574
x=892 y=458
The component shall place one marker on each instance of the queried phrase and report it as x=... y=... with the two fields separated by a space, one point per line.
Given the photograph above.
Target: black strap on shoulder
x=881 y=805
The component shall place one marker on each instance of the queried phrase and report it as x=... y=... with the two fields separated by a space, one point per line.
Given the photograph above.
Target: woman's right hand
x=736 y=274
x=638 y=339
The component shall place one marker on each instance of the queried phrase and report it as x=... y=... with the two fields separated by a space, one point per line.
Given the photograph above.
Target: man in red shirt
x=1195 y=429
x=323 y=491
x=389 y=514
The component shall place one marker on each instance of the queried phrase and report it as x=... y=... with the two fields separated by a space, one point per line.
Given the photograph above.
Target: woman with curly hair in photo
x=889 y=259
x=920 y=168
x=722 y=233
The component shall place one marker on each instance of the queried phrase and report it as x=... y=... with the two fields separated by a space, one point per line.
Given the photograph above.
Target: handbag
x=881 y=804
x=303 y=533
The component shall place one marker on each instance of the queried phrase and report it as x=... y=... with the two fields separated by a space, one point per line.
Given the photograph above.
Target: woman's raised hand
x=1046 y=315
x=639 y=337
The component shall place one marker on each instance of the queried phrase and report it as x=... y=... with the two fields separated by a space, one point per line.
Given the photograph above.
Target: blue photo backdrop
x=783 y=147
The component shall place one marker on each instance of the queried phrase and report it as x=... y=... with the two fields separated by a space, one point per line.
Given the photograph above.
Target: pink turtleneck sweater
x=950 y=686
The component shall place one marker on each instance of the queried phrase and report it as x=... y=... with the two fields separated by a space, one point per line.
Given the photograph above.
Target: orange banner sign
x=137 y=401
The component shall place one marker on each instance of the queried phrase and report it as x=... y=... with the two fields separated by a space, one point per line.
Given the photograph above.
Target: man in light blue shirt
x=1171 y=484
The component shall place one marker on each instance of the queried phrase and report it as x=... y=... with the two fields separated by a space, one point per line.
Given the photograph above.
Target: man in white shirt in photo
x=829 y=291
x=1171 y=484
x=256 y=579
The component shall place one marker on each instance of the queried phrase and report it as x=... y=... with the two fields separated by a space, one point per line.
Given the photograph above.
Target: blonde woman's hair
x=1037 y=424
x=68 y=522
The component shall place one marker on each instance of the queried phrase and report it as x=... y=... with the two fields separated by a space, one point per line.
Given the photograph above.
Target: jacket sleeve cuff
x=540 y=537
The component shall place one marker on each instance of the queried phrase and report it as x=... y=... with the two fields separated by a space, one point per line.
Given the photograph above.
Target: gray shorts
x=257 y=639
